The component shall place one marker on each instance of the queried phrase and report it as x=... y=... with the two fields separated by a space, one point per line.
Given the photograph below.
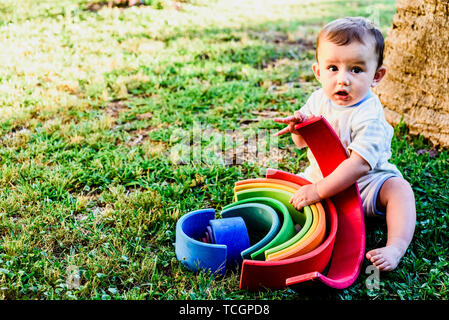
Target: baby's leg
x=396 y=197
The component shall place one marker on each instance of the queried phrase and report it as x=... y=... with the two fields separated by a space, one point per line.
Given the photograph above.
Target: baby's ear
x=316 y=70
x=380 y=73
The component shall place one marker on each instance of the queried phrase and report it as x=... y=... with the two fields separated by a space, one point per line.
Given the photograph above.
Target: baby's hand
x=291 y=121
x=307 y=194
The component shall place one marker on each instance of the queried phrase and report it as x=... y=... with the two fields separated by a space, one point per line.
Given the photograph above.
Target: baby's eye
x=332 y=68
x=356 y=69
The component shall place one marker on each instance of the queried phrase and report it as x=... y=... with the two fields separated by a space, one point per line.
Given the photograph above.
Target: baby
x=349 y=58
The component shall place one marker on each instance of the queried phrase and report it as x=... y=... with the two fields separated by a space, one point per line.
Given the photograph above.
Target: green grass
x=89 y=103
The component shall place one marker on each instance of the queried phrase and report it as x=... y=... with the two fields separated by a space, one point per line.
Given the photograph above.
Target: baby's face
x=347 y=72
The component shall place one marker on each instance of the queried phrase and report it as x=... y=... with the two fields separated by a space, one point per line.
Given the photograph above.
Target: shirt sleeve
x=368 y=138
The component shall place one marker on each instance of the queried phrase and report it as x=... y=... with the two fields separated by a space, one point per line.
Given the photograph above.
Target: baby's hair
x=343 y=31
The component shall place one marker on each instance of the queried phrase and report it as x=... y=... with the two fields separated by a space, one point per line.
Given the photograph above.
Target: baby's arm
x=346 y=174
x=298 y=140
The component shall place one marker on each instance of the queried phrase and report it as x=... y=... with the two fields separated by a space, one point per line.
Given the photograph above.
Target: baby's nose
x=343 y=79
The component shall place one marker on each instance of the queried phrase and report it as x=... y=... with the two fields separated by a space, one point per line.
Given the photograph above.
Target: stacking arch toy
x=346 y=243
x=308 y=242
x=194 y=254
x=275 y=182
x=270 y=185
x=308 y=238
x=232 y=233
x=286 y=231
x=261 y=221
x=206 y=243
x=349 y=247
x=303 y=218
x=273 y=274
x=332 y=236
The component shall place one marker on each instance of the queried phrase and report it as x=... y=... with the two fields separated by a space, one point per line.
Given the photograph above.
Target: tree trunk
x=416 y=85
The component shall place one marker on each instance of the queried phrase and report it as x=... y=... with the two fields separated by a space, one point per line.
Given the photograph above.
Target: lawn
x=95 y=101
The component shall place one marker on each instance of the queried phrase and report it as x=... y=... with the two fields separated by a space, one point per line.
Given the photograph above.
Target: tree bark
x=416 y=86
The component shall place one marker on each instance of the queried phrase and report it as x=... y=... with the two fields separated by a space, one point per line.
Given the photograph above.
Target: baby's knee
x=396 y=188
x=397 y=184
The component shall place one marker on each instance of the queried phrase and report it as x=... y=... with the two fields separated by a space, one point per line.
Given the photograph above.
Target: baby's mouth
x=342 y=93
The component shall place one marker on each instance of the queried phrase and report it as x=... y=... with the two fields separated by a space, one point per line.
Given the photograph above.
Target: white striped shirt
x=361 y=127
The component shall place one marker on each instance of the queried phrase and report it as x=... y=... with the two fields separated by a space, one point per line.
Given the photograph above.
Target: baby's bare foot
x=386 y=258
